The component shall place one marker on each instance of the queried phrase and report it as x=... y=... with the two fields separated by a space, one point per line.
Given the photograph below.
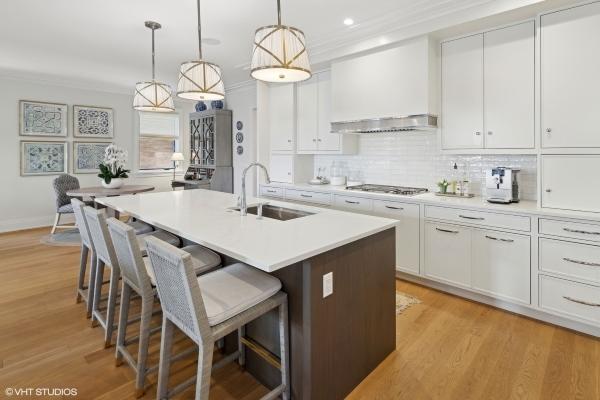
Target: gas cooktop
x=401 y=190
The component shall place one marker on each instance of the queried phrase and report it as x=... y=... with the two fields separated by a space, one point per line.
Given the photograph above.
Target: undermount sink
x=276 y=212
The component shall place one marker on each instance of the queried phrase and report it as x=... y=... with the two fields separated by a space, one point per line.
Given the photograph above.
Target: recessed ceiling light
x=348 y=21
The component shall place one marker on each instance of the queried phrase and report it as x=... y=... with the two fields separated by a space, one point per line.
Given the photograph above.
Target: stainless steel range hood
x=421 y=122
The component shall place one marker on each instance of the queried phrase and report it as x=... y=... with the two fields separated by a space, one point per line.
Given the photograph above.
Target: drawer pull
x=585 y=303
x=500 y=239
x=467 y=217
x=305 y=195
x=445 y=230
x=394 y=208
x=580 y=231
x=352 y=202
x=271 y=191
x=589 y=264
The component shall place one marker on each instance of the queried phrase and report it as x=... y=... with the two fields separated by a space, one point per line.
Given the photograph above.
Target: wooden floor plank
x=446 y=347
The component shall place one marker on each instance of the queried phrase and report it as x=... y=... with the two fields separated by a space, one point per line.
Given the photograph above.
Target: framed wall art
x=37 y=118
x=87 y=156
x=93 y=122
x=43 y=158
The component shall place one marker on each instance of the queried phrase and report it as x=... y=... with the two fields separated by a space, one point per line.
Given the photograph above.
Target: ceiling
x=105 y=42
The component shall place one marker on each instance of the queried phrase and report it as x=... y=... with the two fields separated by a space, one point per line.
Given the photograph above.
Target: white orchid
x=115 y=159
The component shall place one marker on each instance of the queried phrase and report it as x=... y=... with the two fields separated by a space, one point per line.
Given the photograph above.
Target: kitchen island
x=336 y=340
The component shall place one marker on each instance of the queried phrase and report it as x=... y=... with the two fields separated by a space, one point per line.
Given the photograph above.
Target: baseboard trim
x=529 y=312
x=19 y=224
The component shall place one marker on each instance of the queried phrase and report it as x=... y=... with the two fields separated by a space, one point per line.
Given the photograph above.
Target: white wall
x=242 y=102
x=27 y=202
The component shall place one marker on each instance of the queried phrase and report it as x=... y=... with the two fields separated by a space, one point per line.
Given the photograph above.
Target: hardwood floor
x=447 y=347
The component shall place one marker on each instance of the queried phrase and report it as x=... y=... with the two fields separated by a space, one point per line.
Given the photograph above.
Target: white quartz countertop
x=523 y=207
x=202 y=216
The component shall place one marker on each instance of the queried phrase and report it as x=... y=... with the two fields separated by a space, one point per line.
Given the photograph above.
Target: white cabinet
x=448 y=253
x=281 y=117
x=314 y=119
x=501 y=264
x=351 y=203
x=407 y=231
x=509 y=87
x=571 y=299
x=281 y=168
x=570 y=182
x=462 y=93
x=570 y=62
x=488 y=90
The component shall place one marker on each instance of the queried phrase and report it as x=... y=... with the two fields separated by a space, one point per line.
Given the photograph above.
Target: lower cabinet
x=501 y=264
x=448 y=253
x=496 y=263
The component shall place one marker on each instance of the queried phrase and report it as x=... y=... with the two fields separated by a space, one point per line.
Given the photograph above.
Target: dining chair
x=209 y=307
x=87 y=251
x=105 y=256
x=62 y=184
x=137 y=277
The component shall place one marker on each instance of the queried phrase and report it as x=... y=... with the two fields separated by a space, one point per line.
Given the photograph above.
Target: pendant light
x=279 y=53
x=200 y=80
x=153 y=96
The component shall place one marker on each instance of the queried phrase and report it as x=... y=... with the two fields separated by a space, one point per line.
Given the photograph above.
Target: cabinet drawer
x=448 y=253
x=308 y=196
x=353 y=203
x=575 y=230
x=575 y=260
x=570 y=298
x=394 y=209
x=269 y=191
x=479 y=218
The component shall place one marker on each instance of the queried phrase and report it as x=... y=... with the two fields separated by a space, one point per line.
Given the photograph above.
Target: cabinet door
x=407 y=231
x=448 y=253
x=570 y=62
x=307 y=114
x=281 y=119
x=570 y=182
x=509 y=87
x=462 y=93
x=281 y=168
x=327 y=141
x=501 y=264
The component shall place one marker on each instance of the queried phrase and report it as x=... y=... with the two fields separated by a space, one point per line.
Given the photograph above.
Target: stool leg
x=91 y=284
x=82 y=267
x=166 y=343
x=284 y=349
x=140 y=380
x=242 y=358
x=123 y=317
x=56 y=221
x=205 y=355
x=110 y=307
x=97 y=288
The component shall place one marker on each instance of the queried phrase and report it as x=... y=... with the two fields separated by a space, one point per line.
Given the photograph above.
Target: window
x=158 y=140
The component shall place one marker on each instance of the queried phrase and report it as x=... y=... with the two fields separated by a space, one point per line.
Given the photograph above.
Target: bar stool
x=138 y=277
x=209 y=307
x=105 y=256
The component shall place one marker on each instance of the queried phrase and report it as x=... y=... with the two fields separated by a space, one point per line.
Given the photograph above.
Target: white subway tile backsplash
x=415 y=159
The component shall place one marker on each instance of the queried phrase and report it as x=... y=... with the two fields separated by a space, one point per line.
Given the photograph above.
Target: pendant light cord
x=278 y=12
x=153 y=53
x=200 y=32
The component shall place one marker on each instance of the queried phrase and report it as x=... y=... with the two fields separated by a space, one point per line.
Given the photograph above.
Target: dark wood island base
x=335 y=342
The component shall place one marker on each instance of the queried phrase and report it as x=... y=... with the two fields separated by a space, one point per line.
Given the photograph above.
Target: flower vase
x=115 y=183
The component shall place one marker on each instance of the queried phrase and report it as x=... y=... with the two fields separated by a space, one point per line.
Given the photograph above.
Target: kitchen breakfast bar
x=336 y=339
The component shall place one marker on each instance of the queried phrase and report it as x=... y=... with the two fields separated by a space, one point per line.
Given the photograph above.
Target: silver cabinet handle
x=500 y=239
x=478 y=133
x=319 y=140
x=305 y=195
x=289 y=140
x=445 y=230
x=314 y=140
x=394 y=208
x=352 y=202
x=585 y=303
x=548 y=130
x=580 y=231
x=548 y=190
x=589 y=264
x=467 y=217
x=271 y=191
x=490 y=133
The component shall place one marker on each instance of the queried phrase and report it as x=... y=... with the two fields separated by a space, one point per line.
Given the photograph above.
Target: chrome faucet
x=243 y=205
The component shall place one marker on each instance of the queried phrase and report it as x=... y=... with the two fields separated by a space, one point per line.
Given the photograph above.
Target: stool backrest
x=178 y=289
x=80 y=221
x=103 y=245
x=62 y=184
x=131 y=262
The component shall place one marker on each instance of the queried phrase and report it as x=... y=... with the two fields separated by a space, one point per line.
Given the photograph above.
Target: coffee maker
x=501 y=185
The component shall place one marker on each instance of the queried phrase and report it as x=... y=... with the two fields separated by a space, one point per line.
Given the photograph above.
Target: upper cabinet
x=488 y=90
x=570 y=62
x=282 y=103
x=391 y=83
x=313 y=122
